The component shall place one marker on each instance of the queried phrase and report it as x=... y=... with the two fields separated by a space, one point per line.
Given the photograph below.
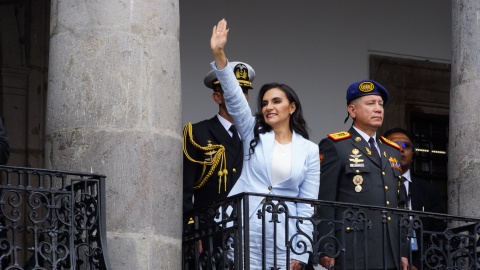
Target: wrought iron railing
x=52 y=220
x=213 y=237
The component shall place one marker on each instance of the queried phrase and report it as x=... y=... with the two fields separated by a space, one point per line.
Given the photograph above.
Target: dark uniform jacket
x=204 y=131
x=379 y=188
x=426 y=195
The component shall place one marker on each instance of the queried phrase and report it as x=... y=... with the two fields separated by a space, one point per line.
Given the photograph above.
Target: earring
x=291 y=113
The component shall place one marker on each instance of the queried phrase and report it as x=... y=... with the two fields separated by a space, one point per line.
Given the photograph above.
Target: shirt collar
x=407 y=175
x=364 y=135
x=225 y=123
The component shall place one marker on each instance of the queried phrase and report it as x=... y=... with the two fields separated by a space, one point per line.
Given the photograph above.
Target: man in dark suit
x=423 y=196
x=359 y=166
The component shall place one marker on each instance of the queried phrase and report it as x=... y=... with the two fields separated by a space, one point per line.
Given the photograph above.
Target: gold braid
x=218 y=158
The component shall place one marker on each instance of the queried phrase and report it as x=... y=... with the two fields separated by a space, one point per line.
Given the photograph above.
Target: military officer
x=359 y=166
x=213 y=152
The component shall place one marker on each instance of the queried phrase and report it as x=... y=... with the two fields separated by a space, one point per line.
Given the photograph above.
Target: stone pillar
x=464 y=142
x=114 y=106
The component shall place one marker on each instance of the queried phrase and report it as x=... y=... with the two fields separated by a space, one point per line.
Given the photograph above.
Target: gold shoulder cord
x=218 y=158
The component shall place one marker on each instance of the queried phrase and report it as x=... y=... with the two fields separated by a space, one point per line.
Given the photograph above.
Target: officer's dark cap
x=365 y=88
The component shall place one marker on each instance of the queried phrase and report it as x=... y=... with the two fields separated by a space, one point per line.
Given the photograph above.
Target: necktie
x=375 y=154
x=403 y=197
x=235 y=137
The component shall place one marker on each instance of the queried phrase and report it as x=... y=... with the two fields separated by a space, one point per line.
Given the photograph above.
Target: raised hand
x=218 y=42
x=219 y=36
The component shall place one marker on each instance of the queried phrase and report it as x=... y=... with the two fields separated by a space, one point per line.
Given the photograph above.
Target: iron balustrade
x=217 y=229
x=52 y=220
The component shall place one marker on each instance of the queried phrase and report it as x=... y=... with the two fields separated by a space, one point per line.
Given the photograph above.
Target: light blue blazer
x=256 y=174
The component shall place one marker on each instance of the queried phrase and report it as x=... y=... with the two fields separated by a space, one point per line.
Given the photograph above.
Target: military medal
x=358 y=180
x=368 y=151
x=210 y=153
x=356 y=159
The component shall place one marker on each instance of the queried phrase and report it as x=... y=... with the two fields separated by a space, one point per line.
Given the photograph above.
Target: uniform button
x=400 y=177
x=388 y=203
x=269 y=187
x=357 y=171
x=234 y=170
x=348 y=229
x=383 y=173
x=386 y=187
x=389 y=218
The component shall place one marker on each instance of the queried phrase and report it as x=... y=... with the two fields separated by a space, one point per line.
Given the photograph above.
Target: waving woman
x=279 y=158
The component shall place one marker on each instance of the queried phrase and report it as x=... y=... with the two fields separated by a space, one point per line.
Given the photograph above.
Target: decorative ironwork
x=223 y=231
x=52 y=220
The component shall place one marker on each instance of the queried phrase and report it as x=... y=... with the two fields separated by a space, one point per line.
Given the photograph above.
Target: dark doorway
x=420 y=103
x=430 y=134
x=24 y=43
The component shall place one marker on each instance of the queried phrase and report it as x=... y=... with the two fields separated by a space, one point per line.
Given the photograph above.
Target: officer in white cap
x=203 y=142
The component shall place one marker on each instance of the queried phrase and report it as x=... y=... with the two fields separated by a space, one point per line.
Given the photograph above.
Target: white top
x=407 y=186
x=281 y=162
x=366 y=138
x=226 y=124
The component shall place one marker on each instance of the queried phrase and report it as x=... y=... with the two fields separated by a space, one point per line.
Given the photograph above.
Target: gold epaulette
x=387 y=141
x=339 y=135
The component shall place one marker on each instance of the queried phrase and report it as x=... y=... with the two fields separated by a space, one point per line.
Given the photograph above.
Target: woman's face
x=276 y=108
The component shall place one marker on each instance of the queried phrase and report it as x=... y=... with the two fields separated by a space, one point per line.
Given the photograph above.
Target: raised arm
x=235 y=101
x=218 y=42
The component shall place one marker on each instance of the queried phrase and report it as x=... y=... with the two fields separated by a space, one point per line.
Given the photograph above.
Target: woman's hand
x=295 y=265
x=218 y=42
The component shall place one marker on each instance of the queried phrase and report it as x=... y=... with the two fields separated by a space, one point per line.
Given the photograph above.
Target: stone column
x=114 y=106
x=464 y=142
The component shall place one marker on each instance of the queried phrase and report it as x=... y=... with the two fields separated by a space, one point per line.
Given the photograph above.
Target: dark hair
x=398 y=130
x=217 y=88
x=297 y=122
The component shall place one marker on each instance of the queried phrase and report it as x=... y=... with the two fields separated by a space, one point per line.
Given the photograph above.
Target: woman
x=279 y=159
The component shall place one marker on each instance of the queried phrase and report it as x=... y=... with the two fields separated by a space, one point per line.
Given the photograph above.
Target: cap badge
x=366 y=87
x=241 y=72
